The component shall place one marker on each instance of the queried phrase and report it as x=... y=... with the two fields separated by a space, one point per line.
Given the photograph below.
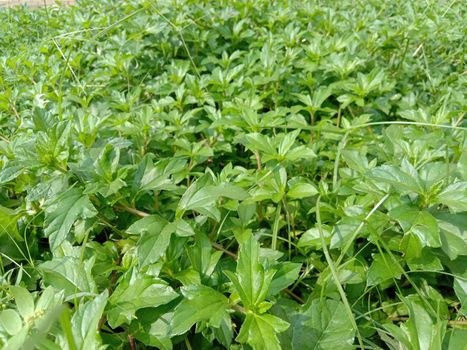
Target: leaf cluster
x=233 y=175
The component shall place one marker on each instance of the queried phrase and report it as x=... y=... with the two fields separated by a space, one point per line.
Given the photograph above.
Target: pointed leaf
x=69 y=274
x=62 y=213
x=10 y=321
x=454 y=196
x=286 y=274
x=382 y=268
x=136 y=291
x=9 y=224
x=85 y=321
x=302 y=190
x=260 y=331
x=327 y=327
x=395 y=177
x=201 y=303
x=155 y=238
x=453 y=233
x=250 y=279
x=24 y=301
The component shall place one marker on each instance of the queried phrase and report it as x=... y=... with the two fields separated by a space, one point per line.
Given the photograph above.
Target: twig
x=15 y=111
x=294 y=296
x=258 y=161
x=238 y=308
x=132 y=210
x=219 y=247
x=131 y=340
x=4 y=139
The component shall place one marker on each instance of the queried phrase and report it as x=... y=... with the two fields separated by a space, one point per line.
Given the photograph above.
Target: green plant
x=233 y=175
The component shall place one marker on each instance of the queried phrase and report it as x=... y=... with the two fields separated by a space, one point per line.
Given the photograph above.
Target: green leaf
x=201 y=303
x=382 y=269
x=250 y=280
x=455 y=339
x=10 y=321
x=151 y=223
x=63 y=211
x=287 y=142
x=411 y=246
x=300 y=152
x=311 y=238
x=454 y=196
x=355 y=160
x=462 y=164
x=221 y=121
x=453 y=233
x=206 y=196
x=9 y=224
x=425 y=261
x=69 y=274
x=135 y=291
x=85 y=322
x=260 y=331
x=343 y=231
x=246 y=211
x=258 y=142
x=420 y=223
x=156 y=177
x=183 y=228
x=224 y=334
x=323 y=325
x=201 y=256
x=302 y=190
x=420 y=331
x=24 y=301
x=286 y=274
x=50 y=297
x=400 y=180
x=107 y=162
x=460 y=288
x=10 y=173
x=203 y=200
x=155 y=235
x=231 y=191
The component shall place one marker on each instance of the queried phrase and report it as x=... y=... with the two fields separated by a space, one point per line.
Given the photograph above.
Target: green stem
x=66 y=326
x=275 y=228
x=336 y=277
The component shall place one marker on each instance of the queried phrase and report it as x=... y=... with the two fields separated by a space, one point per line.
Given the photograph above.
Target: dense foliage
x=233 y=175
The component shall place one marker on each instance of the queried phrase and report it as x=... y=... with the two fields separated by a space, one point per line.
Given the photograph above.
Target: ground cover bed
x=233 y=175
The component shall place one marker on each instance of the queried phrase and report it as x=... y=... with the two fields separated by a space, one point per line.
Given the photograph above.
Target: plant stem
x=275 y=227
x=219 y=247
x=132 y=210
x=187 y=343
x=339 y=113
x=335 y=276
x=312 y=123
x=131 y=340
x=258 y=161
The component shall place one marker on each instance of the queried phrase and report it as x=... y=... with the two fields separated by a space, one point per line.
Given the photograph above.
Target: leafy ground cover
x=233 y=175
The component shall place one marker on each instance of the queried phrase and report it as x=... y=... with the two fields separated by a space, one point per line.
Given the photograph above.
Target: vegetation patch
x=233 y=175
